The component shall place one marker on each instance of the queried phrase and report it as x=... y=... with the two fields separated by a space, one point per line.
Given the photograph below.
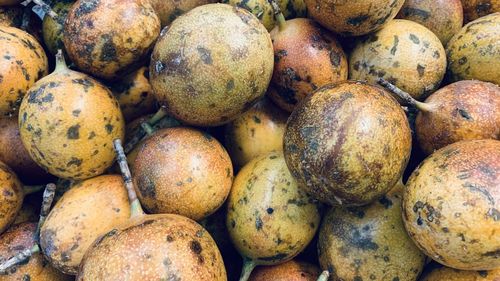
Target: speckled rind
x=474 y=9
x=11 y=196
x=289 y=271
x=53 y=28
x=169 y=10
x=450 y=274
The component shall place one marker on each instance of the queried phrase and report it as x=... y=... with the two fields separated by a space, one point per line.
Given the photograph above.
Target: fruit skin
x=152 y=247
x=11 y=196
x=404 y=53
x=210 y=82
x=289 y=271
x=270 y=219
x=169 y=10
x=256 y=132
x=306 y=57
x=88 y=210
x=474 y=9
x=53 y=29
x=11 y=16
x=450 y=274
x=473 y=52
x=108 y=38
x=443 y=17
x=19 y=238
x=9 y=2
x=353 y=17
x=22 y=63
x=464 y=110
x=364 y=238
x=347 y=143
x=182 y=171
x=451 y=205
x=68 y=122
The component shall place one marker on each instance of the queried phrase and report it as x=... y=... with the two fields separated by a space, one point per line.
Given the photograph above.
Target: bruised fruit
x=474 y=9
x=22 y=63
x=347 y=143
x=169 y=10
x=451 y=205
x=269 y=218
x=306 y=57
x=68 y=121
x=108 y=38
x=89 y=209
x=353 y=17
x=450 y=274
x=473 y=53
x=53 y=28
x=443 y=17
x=258 y=131
x=288 y=271
x=209 y=82
x=365 y=239
x=404 y=53
x=11 y=196
x=22 y=237
x=182 y=171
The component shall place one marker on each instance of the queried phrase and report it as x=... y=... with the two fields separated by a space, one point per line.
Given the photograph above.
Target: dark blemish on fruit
x=407 y=12
x=256 y=119
x=464 y=114
x=278 y=55
x=385 y=201
x=195 y=246
x=273 y=157
x=395 y=279
x=23 y=70
x=76 y=112
x=258 y=223
x=270 y=211
x=73 y=132
x=243 y=15
x=353 y=236
x=205 y=55
x=483 y=8
x=7 y=57
x=74 y=162
x=483 y=273
x=175 y=64
x=414 y=39
x=86 y=83
x=335 y=58
x=233 y=223
x=91 y=135
x=357 y=278
x=47 y=239
x=108 y=52
x=170 y=238
x=436 y=55
x=462 y=61
x=276 y=257
x=395 y=45
x=146 y=186
x=480 y=189
x=109 y=128
x=65 y=256
x=420 y=70
x=357 y=21
x=493 y=254
x=230 y=85
x=494 y=214
x=86 y=7
x=26 y=277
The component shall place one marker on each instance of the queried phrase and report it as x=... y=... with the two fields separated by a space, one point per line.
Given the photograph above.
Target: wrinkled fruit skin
x=108 y=38
x=364 y=237
x=19 y=238
x=347 y=143
x=176 y=248
x=450 y=274
x=169 y=10
x=88 y=210
x=443 y=17
x=452 y=202
x=306 y=57
x=210 y=82
x=182 y=171
x=473 y=52
x=353 y=17
x=288 y=271
x=270 y=219
x=404 y=53
x=22 y=63
x=11 y=196
x=474 y=9
x=464 y=110
x=53 y=29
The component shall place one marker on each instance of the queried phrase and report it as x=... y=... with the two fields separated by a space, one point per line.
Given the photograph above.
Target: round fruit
x=22 y=63
x=452 y=202
x=258 y=131
x=182 y=171
x=168 y=11
x=404 y=53
x=262 y=9
x=11 y=196
x=348 y=143
x=450 y=274
x=53 y=28
x=108 y=38
x=353 y=17
x=209 y=82
x=288 y=271
x=307 y=57
x=473 y=52
x=443 y=17
x=68 y=122
x=474 y=9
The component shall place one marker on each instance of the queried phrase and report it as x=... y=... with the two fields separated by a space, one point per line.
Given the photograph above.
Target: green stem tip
x=246 y=271
x=278 y=15
x=407 y=98
x=324 y=276
x=19 y=258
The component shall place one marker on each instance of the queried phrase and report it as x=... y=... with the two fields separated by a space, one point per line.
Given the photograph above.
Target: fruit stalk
x=407 y=98
x=160 y=114
x=19 y=258
x=45 y=7
x=248 y=266
x=278 y=15
x=48 y=198
x=60 y=61
x=147 y=128
x=324 y=276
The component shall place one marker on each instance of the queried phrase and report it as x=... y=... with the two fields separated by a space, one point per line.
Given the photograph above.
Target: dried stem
x=45 y=7
x=160 y=114
x=278 y=15
x=19 y=258
x=48 y=198
x=407 y=98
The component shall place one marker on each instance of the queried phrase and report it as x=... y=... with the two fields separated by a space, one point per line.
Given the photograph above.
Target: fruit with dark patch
x=473 y=52
x=210 y=94
x=306 y=57
x=289 y=271
x=347 y=143
x=450 y=274
x=11 y=196
x=53 y=28
x=451 y=205
x=474 y=9
x=169 y=10
x=353 y=17
x=404 y=53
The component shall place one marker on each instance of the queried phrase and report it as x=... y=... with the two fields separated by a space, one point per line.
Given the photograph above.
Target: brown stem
x=278 y=15
x=160 y=114
x=19 y=258
x=48 y=198
x=407 y=98
x=324 y=276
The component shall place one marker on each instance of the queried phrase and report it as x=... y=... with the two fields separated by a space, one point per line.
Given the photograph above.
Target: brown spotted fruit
x=270 y=218
x=182 y=171
x=353 y=17
x=473 y=52
x=404 y=53
x=22 y=63
x=168 y=10
x=19 y=238
x=451 y=205
x=90 y=209
x=53 y=27
x=347 y=143
x=451 y=274
x=443 y=17
x=109 y=38
x=67 y=123
x=289 y=271
x=258 y=131
x=11 y=196
x=474 y=9
x=372 y=240
x=209 y=82
x=306 y=57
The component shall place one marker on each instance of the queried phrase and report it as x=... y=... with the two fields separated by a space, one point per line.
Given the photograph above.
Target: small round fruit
x=209 y=82
x=474 y=9
x=22 y=63
x=11 y=196
x=473 y=52
x=452 y=202
x=347 y=143
x=169 y=10
x=451 y=274
x=353 y=17
x=404 y=53
x=53 y=28
x=289 y=271
x=182 y=171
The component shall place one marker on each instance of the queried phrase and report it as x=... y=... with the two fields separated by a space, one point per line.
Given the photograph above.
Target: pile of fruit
x=286 y=140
